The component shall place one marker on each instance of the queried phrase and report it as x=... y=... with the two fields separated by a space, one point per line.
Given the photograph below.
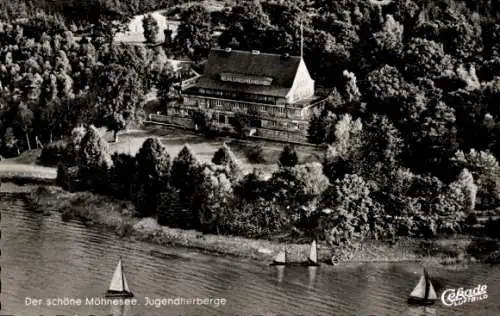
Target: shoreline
x=118 y=218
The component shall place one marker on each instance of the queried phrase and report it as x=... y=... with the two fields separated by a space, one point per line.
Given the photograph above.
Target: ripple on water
x=45 y=257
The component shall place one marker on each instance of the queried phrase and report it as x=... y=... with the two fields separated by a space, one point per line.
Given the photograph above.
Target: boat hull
x=420 y=301
x=310 y=263
x=277 y=264
x=114 y=294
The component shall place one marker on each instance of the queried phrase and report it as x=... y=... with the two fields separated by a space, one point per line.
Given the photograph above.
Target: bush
x=53 y=153
x=255 y=154
x=257 y=219
x=288 y=157
x=67 y=177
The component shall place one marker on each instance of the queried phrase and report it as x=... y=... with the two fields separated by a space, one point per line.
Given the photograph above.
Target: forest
x=410 y=128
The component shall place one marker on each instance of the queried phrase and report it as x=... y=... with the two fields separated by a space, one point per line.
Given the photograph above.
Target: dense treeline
x=52 y=80
x=85 y=12
x=310 y=199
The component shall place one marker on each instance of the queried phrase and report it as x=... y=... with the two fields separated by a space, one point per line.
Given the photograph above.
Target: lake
x=43 y=257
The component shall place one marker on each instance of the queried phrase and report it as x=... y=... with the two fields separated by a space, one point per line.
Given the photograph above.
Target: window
x=241 y=78
x=222 y=118
x=256 y=123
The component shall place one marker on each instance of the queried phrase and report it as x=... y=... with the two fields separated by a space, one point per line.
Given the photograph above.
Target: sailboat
x=423 y=293
x=280 y=259
x=312 y=259
x=119 y=287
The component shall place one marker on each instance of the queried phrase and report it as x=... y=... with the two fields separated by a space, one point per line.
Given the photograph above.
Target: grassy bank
x=118 y=216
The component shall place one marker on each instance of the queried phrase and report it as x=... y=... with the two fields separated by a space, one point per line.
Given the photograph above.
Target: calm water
x=43 y=257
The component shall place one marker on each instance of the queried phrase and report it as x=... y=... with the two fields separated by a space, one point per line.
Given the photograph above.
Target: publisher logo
x=457 y=297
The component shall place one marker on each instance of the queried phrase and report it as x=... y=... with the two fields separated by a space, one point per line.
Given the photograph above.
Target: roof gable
x=280 y=69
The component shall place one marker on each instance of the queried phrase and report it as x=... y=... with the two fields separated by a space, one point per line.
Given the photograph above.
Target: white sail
x=432 y=292
x=116 y=282
x=281 y=257
x=313 y=256
x=125 y=283
x=419 y=290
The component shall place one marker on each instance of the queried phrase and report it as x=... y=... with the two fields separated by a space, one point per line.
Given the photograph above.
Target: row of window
x=238 y=95
x=245 y=79
x=245 y=107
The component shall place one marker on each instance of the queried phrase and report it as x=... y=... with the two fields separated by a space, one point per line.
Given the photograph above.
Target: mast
x=427 y=284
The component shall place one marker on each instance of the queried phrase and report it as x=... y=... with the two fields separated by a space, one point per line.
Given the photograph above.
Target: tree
x=71 y=154
x=461 y=35
x=382 y=148
x=151 y=28
x=349 y=211
x=288 y=157
x=435 y=141
x=471 y=111
x=158 y=64
x=456 y=203
x=287 y=17
x=194 y=34
x=240 y=123
x=485 y=169
x=211 y=198
x=23 y=120
x=425 y=58
x=152 y=176
x=251 y=187
x=185 y=173
x=249 y=28
x=296 y=190
x=386 y=88
x=352 y=92
x=10 y=141
x=46 y=116
x=224 y=156
x=389 y=41
x=166 y=89
x=122 y=175
x=322 y=126
x=343 y=156
x=93 y=160
x=117 y=96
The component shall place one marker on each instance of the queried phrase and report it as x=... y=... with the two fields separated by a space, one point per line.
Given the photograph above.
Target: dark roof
x=280 y=68
x=209 y=83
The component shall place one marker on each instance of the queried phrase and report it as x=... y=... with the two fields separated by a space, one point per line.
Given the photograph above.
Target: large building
x=275 y=92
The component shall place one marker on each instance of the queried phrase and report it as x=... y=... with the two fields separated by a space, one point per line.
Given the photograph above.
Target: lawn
x=174 y=140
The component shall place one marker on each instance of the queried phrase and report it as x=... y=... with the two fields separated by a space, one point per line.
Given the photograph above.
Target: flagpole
x=301 y=39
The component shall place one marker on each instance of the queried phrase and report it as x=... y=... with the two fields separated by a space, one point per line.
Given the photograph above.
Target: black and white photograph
x=249 y=157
